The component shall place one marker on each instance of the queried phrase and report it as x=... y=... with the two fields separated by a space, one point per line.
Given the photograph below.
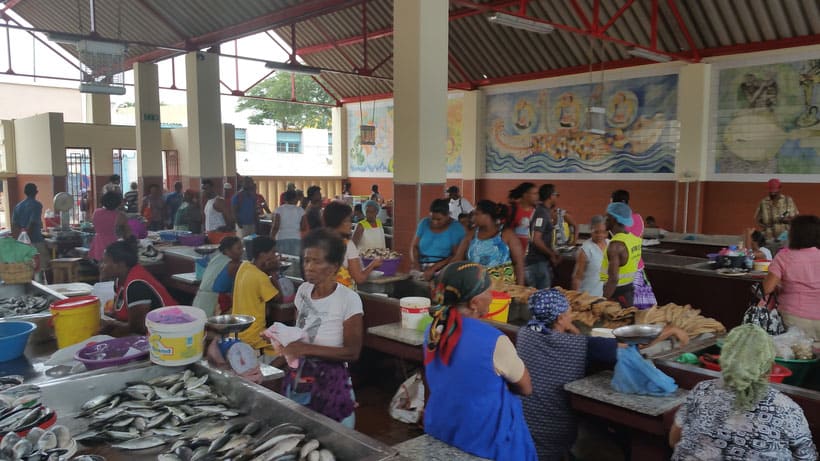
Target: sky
x=29 y=56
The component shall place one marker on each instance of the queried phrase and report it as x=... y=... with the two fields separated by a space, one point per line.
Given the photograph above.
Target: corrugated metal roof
x=480 y=52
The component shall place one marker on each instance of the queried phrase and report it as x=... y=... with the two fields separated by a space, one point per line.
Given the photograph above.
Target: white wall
x=20 y=101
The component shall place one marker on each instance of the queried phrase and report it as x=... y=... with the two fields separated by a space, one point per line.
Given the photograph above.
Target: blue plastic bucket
x=13 y=339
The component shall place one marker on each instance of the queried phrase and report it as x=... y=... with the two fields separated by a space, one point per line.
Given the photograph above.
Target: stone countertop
x=395 y=332
x=426 y=448
x=701 y=239
x=597 y=387
x=188 y=277
x=181 y=251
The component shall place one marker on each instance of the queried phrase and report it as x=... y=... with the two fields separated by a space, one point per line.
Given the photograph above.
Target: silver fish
x=309 y=447
x=140 y=444
x=168 y=457
x=157 y=420
x=326 y=455
x=193 y=383
x=282 y=447
x=272 y=443
x=251 y=428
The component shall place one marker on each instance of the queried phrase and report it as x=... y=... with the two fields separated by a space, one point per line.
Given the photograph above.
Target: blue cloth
x=223 y=282
x=546 y=306
x=621 y=212
x=173 y=201
x=636 y=375
x=244 y=205
x=492 y=252
x=433 y=247
x=28 y=214
x=470 y=406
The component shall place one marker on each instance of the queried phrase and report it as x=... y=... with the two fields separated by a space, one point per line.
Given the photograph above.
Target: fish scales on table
x=183 y=413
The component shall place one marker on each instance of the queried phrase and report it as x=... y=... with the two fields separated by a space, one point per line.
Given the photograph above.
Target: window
x=125 y=165
x=78 y=182
x=240 y=139
x=289 y=141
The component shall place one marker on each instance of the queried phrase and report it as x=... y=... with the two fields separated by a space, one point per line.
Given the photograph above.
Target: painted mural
x=545 y=131
x=768 y=120
x=378 y=158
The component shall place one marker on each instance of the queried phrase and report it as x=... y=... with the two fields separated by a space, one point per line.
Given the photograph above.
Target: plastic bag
x=636 y=375
x=407 y=405
x=794 y=344
x=23 y=238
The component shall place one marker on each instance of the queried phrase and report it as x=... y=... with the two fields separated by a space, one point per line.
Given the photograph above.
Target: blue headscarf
x=546 y=306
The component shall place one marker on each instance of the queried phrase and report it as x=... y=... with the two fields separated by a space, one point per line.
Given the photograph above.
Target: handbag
x=763 y=312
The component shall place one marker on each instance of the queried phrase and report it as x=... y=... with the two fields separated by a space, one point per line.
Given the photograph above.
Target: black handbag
x=765 y=314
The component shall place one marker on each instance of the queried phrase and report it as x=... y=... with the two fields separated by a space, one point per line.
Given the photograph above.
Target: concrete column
x=39 y=150
x=692 y=161
x=149 y=134
x=472 y=152
x=420 y=117
x=206 y=148
x=98 y=109
x=339 y=135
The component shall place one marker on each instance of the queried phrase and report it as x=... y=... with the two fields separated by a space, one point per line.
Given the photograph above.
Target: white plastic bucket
x=176 y=344
x=413 y=311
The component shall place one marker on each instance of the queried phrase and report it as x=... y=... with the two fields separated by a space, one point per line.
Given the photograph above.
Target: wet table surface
x=395 y=332
x=598 y=387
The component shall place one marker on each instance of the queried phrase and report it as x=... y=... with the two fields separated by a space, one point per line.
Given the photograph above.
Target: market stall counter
x=252 y=403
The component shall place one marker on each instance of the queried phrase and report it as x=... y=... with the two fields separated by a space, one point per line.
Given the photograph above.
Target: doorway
x=78 y=182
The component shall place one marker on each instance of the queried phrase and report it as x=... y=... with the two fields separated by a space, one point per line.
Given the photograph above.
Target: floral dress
x=494 y=254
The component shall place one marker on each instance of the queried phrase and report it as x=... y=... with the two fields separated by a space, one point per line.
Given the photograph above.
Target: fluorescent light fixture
x=520 y=23
x=65 y=39
x=295 y=68
x=97 y=47
x=649 y=54
x=96 y=88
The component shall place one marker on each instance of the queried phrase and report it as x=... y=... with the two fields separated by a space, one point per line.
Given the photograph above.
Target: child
x=756 y=241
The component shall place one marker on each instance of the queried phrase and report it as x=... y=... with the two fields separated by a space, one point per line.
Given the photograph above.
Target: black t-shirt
x=140 y=291
x=541 y=222
x=314 y=217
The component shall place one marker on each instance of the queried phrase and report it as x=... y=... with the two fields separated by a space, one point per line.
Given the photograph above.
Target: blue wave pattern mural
x=545 y=130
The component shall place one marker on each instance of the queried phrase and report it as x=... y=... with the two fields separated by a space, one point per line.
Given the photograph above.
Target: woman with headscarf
x=370 y=231
x=473 y=371
x=740 y=416
x=493 y=245
x=556 y=354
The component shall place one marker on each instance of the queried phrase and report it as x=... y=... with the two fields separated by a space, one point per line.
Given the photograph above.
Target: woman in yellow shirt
x=254 y=287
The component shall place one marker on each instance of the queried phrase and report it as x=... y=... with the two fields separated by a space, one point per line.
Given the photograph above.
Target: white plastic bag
x=407 y=405
x=794 y=344
x=23 y=238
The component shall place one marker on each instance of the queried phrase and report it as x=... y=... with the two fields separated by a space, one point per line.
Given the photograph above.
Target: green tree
x=286 y=115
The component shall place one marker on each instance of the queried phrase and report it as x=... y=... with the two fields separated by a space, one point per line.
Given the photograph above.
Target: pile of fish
x=23 y=305
x=20 y=409
x=54 y=444
x=183 y=410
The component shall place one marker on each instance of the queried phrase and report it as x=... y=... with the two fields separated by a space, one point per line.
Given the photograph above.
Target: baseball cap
x=452 y=190
x=774 y=185
x=621 y=212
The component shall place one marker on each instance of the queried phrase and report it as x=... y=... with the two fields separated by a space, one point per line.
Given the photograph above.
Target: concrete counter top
x=598 y=387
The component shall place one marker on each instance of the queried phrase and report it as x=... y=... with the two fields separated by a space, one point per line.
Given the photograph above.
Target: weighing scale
x=635 y=335
x=241 y=356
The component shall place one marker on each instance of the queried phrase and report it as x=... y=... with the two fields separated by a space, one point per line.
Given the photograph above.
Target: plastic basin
x=778 y=375
x=112 y=352
x=800 y=369
x=389 y=266
x=13 y=339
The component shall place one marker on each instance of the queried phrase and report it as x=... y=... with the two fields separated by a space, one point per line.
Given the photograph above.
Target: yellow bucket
x=499 y=307
x=75 y=319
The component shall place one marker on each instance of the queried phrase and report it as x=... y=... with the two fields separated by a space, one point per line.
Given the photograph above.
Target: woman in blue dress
x=474 y=374
x=493 y=245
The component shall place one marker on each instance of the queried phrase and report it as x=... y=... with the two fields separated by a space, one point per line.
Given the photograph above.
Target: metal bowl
x=227 y=324
x=637 y=334
x=206 y=249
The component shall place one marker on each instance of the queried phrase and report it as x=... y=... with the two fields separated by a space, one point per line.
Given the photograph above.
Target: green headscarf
x=746 y=362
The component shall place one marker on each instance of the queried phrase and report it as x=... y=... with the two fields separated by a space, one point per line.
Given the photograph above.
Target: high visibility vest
x=627 y=272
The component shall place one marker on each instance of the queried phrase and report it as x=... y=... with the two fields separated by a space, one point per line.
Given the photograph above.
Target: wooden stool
x=67 y=270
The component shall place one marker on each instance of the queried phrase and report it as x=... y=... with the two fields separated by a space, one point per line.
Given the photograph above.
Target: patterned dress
x=775 y=429
x=494 y=254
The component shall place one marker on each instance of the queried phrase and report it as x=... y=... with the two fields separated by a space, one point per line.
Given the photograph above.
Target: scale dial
x=242 y=357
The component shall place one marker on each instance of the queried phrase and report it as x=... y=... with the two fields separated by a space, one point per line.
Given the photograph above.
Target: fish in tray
x=191 y=422
x=54 y=444
x=23 y=305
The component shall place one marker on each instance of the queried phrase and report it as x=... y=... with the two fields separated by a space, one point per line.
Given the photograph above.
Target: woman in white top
x=338 y=217
x=330 y=315
x=370 y=231
x=215 y=214
x=587 y=274
x=286 y=226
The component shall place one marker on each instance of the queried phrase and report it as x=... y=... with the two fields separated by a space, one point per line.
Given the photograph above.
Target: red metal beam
x=10 y=4
x=300 y=12
x=387 y=32
x=258 y=81
x=653 y=40
x=381 y=63
x=338 y=103
x=684 y=29
x=164 y=20
x=575 y=30
x=338 y=48
x=767 y=45
x=48 y=45
x=615 y=16
x=581 y=15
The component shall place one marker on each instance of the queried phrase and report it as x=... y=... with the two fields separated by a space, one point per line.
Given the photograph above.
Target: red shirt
x=521 y=225
x=155 y=289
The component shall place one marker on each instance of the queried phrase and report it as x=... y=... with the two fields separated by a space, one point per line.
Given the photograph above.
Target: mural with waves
x=544 y=130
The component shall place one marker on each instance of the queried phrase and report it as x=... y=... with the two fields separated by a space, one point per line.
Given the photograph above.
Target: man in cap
x=458 y=204
x=775 y=212
x=622 y=255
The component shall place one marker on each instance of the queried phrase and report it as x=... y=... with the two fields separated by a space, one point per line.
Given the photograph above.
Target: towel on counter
x=637 y=375
x=280 y=335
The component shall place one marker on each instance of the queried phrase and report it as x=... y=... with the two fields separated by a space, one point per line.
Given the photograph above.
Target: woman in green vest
x=622 y=255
